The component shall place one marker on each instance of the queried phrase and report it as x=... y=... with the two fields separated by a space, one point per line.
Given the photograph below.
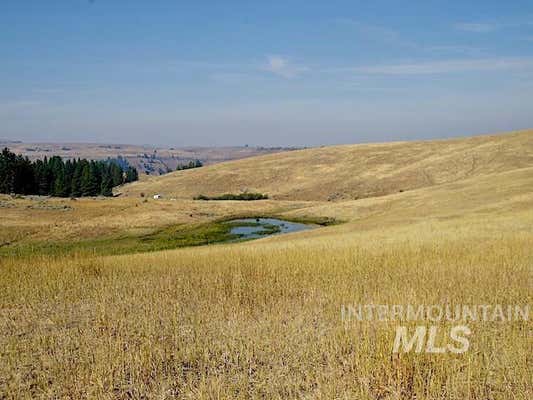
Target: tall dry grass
x=262 y=319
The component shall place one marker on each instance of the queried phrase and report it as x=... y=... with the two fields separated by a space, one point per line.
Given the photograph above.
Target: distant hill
x=151 y=160
x=350 y=172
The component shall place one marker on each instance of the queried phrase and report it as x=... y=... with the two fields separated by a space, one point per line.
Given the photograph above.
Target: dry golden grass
x=37 y=218
x=351 y=171
x=262 y=319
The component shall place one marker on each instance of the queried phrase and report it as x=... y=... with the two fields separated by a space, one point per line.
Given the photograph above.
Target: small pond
x=254 y=228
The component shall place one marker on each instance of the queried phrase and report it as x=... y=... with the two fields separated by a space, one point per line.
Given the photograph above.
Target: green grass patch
x=171 y=237
x=167 y=238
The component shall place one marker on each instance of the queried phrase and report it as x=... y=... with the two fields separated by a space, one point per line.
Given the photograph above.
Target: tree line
x=191 y=164
x=55 y=177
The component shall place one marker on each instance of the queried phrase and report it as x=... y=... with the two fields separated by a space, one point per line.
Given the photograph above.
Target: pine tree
x=24 y=179
x=43 y=177
x=116 y=175
x=86 y=186
x=106 y=188
x=60 y=188
x=57 y=168
x=52 y=176
x=75 y=186
x=131 y=174
x=7 y=171
x=89 y=180
x=69 y=172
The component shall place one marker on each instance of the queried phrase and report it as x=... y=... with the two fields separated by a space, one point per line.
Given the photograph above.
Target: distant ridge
x=146 y=159
x=350 y=172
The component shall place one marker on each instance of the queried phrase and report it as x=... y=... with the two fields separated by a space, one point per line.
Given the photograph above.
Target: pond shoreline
x=255 y=228
x=167 y=238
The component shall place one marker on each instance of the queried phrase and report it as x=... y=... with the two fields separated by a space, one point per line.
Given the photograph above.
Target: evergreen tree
x=7 y=171
x=116 y=175
x=57 y=168
x=131 y=174
x=106 y=188
x=75 y=185
x=24 y=178
x=89 y=180
x=85 y=180
x=191 y=164
x=53 y=176
x=69 y=172
x=43 y=177
x=96 y=176
x=60 y=188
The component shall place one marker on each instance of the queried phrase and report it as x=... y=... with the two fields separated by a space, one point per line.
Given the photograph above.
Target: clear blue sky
x=263 y=73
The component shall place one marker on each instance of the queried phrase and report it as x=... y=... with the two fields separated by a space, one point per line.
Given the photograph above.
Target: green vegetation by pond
x=168 y=238
x=176 y=236
x=229 y=196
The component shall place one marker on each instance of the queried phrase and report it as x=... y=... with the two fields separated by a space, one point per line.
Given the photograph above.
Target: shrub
x=230 y=196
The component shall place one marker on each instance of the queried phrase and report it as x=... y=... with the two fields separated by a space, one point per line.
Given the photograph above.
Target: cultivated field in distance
x=133 y=297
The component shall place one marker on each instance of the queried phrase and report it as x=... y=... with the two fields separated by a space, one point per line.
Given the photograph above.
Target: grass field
x=350 y=172
x=262 y=319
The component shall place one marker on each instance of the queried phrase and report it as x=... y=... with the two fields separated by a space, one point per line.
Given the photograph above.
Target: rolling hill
x=443 y=222
x=350 y=172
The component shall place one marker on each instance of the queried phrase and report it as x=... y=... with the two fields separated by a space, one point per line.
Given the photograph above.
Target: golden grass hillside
x=262 y=319
x=350 y=171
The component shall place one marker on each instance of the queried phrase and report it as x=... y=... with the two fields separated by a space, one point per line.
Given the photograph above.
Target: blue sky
x=263 y=73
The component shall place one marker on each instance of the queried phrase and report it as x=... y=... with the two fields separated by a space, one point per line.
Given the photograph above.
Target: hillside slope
x=350 y=171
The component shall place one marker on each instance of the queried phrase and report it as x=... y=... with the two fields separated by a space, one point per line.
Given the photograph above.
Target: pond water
x=254 y=228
